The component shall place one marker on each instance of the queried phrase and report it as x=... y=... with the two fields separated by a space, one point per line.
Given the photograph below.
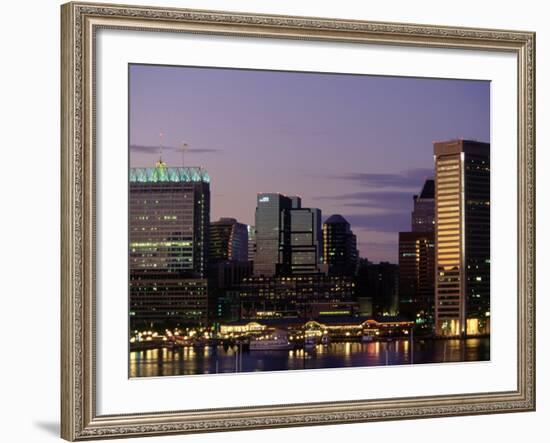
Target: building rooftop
x=161 y=173
x=461 y=145
x=225 y=221
x=335 y=218
x=428 y=189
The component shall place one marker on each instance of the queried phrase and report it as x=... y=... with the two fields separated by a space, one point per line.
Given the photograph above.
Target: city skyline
x=322 y=139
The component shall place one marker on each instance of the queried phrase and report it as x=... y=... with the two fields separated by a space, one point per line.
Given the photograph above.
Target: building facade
x=288 y=236
x=271 y=211
x=304 y=241
x=423 y=214
x=462 y=198
x=251 y=241
x=417 y=276
x=306 y=296
x=228 y=241
x=417 y=260
x=163 y=299
x=339 y=246
x=382 y=286
x=169 y=214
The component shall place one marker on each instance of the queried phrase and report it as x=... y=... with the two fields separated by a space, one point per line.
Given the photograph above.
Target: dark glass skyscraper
x=381 y=284
x=169 y=219
x=339 y=246
x=304 y=247
x=288 y=236
x=228 y=265
x=228 y=241
x=270 y=213
x=462 y=196
x=422 y=217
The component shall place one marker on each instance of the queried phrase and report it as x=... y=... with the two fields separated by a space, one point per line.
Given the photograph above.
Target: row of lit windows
x=450 y=198
x=447 y=161
x=448 y=233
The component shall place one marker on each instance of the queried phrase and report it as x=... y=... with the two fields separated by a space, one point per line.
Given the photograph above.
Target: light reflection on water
x=211 y=360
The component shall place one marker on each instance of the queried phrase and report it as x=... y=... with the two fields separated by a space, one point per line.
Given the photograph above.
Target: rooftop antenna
x=160 y=163
x=184 y=148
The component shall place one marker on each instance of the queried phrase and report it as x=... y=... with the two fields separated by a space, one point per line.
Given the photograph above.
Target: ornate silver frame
x=80 y=21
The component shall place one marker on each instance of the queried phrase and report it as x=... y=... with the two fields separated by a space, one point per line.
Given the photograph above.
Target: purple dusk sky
x=356 y=145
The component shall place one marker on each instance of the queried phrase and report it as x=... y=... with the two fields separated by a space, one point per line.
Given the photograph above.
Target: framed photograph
x=277 y=221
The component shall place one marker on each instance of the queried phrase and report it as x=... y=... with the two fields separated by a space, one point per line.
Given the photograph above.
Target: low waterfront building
x=161 y=299
x=337 y=327
x=304 y=296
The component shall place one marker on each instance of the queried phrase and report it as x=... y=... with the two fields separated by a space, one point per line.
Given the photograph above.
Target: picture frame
x=79 y=179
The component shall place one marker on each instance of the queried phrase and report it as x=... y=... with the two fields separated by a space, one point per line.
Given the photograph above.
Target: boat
x=277 y=341
x=368 y=336
x=310 y=342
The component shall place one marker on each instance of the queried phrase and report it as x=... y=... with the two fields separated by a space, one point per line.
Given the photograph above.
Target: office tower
x=295 y=201
x=417 y=275
x=304 y=241
x=228 y=241
x=251 y=241
x=378 y=282
x=462 y=197
x=288 y=236
x=417 y=260
x=422 y=217
x=224 y=280
x=169 y=211
x=270 y=218
x=339 y=246
x=228 y=265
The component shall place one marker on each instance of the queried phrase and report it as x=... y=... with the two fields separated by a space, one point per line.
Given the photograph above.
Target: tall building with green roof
x=169 y=216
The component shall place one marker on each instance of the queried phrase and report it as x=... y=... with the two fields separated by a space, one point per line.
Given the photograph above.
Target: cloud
x=392 y=209
x=155 y=149
x=411 y=178
x=389 y=222
x=385 y=200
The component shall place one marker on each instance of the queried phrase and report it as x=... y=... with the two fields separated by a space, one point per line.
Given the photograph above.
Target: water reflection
x=211 y=360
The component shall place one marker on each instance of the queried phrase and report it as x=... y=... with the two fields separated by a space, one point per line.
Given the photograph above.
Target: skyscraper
x=462 y=196
x=269 y=221
x=339 y=246
x=288 y=236
x=417 y=259
x=251 y=241
x=416 y=275
x=228 y=265
x=304 y=247
x=381 y=281
x=228 y=241
x=422 y=217
x=169 y=216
